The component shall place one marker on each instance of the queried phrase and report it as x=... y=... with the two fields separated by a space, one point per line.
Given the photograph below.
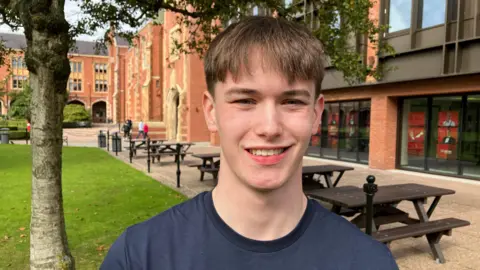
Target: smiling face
x=265 y=124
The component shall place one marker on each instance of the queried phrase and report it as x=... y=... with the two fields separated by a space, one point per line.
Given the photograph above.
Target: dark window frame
x=428 y=123
x=357 y=126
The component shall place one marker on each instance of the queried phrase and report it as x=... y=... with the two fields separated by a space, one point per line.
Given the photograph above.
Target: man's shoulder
x=175 y=218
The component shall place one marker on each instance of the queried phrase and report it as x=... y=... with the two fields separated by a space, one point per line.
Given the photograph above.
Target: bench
x=159 y=155
x=434 y=230
x=195 y=165
x=213 y=171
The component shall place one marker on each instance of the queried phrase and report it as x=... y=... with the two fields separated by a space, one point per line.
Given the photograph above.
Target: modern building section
x=424 y=111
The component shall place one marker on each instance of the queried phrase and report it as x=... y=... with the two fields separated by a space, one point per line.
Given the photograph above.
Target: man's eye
x=245 y=101
x=294 y=102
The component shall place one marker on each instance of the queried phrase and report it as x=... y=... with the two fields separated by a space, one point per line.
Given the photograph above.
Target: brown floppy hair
x=287 y=47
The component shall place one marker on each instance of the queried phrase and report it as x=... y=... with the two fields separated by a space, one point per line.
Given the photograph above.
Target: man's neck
x=259 y=216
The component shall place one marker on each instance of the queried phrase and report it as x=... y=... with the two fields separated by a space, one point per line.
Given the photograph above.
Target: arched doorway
x=99 y=112
x=76 y=102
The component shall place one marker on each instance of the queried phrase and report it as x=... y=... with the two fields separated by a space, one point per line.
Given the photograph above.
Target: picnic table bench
x=385 y=211
x=170 y=149
x=208 y=165
x=309 y=172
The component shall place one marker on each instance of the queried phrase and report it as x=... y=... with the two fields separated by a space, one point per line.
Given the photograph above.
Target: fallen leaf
x=76 y=209
x=22 y=229
x=101 y=248
x=6 y=237
x=22 y=235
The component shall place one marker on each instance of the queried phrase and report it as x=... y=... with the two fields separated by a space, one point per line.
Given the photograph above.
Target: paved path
x=461 y=250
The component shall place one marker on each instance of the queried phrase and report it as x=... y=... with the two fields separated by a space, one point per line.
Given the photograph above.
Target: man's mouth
x=267 y=152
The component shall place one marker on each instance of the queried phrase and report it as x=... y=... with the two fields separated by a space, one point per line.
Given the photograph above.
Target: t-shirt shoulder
x=133 y=243
x=182 y=213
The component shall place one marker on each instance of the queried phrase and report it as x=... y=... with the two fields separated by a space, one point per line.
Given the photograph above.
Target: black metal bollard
x=131 y=147
x=108 y=140
x=148 y=154
x=117 y=143
x=370 y=189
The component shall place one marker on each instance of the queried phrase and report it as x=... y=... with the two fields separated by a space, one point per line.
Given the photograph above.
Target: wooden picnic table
x=208 y=165
x=308 y=173
x=385 y=203
x=173 y=148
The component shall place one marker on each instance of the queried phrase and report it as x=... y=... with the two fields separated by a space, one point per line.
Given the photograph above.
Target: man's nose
x=268 y=122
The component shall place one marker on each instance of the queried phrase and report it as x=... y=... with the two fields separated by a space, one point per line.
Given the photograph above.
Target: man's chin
x=266 y=185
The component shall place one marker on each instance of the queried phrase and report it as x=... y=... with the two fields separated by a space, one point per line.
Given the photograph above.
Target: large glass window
x=400 y=14
x=348 y=140
x=433 y=12
x=330 y=129
x=443 y=138
x=364 y=131
x=441 y=134
x=412 y=148
x=343 y=133
x=470 y=153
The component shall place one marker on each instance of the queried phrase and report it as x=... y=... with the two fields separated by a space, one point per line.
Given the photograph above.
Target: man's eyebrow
x=297 y=93
x=247 y=91
x=240 y=91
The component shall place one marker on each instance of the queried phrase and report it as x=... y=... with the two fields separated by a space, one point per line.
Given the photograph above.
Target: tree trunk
x=48 y=41
x=48 y=239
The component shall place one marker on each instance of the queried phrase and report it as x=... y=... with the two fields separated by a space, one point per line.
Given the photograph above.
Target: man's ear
x=318 y=111
x=208 y=103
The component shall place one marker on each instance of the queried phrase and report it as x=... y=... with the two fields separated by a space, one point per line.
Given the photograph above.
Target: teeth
x=263 y=152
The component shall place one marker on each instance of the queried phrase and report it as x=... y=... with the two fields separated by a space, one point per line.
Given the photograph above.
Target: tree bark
x=48 y=42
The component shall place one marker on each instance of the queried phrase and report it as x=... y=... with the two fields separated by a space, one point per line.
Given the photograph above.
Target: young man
x=264 y=78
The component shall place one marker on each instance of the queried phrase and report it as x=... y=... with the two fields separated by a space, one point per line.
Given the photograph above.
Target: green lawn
x=102 y=196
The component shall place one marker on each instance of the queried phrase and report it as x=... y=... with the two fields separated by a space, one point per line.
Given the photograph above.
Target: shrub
x=18 y=135
x=75 y=113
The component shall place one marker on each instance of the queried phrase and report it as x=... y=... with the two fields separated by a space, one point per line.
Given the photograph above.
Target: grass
x=102 y=197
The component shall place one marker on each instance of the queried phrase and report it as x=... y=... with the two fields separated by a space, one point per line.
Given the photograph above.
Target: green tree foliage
x=75 y=113
x=338 y=24
x=20 y=106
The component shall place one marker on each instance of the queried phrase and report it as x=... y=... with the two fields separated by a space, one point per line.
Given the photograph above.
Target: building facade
x=424 y=114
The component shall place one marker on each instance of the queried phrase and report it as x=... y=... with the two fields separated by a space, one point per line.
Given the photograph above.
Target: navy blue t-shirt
x=192 y=235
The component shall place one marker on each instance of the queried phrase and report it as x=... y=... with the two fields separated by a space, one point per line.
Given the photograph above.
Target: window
x=433 y=12
x=413 y=133
x=101 y=77
x=76 y=67
x=75 y=85
x=101 y=68
x=76 y=75
x=399 y=15
x=18 y=81
x=344 y=132
x=101 y=86
x=441 y=135
x=470 y=153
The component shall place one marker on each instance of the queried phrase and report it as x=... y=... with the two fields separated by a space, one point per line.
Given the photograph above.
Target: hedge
x=18 y=135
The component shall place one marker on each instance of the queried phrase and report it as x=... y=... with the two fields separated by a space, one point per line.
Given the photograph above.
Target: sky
x=72 y=13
